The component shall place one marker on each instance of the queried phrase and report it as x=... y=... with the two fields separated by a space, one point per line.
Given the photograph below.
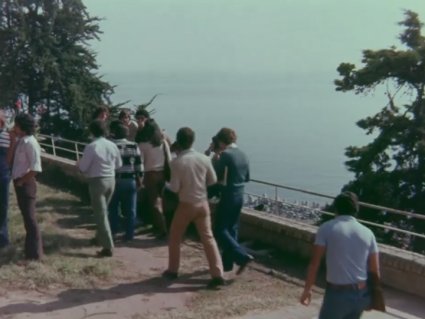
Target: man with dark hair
x=101 y=113
x=132 y=126
x=233 y=171
x=26 y=165
x=351 y=252
x=127 y=180
x=191 y=173
x=99 y=161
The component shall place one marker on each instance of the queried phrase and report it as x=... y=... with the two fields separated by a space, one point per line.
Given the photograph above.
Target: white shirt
x=100 y=159
x=27 y=157
x=153 y=157
x=191 y=173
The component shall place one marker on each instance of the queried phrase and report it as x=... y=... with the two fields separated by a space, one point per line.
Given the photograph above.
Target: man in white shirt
x=26 y=165
x=99 y=161
x=191 y=173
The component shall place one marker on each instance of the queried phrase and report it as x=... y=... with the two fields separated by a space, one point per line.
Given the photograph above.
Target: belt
x=125 y=175
x=358 y=286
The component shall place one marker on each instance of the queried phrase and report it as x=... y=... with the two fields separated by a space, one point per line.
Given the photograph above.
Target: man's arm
x=318 y=252
x=211 y=176
x=373 y=264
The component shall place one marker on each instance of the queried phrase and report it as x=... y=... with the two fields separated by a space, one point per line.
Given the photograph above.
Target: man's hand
x=305 y=298
x=19 y=182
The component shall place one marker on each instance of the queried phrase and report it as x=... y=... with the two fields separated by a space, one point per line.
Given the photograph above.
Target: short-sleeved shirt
x=191 y=173
x=348 y=247
x=153 y=157
x=100 y=159
x=27 y=157
x=130 y=156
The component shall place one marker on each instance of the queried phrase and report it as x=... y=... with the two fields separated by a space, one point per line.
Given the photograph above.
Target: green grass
x=66 y=226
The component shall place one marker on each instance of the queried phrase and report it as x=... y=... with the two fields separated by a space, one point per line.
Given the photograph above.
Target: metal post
x=275 y=201
x=76 y=151
x=53 y=144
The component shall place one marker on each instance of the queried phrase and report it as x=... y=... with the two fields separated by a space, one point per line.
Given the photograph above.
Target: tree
x=390 y=170
x=45 y=55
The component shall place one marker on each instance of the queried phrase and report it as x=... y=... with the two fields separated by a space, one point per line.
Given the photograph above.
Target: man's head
x=185 y=138
x=98 y=128
x=124 y=116
x=101 y=113
x=225 y=137
x=118 y=130
x=2 y=119
x=141 y=117
x=346 y=203
x=24 y=124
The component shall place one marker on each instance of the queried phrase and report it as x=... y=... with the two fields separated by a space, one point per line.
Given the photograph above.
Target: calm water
x=294 y=128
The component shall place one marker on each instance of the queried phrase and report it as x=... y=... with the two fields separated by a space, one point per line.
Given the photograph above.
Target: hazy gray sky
x=243 y=36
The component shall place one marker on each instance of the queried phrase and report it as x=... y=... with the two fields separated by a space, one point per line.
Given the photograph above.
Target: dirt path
x=71 y=283
x=148 y=296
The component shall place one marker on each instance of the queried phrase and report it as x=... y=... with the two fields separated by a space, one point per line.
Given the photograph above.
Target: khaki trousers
x=200 y=215
x=101 y=190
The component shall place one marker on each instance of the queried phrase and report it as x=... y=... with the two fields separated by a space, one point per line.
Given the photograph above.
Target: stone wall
x=400 y=269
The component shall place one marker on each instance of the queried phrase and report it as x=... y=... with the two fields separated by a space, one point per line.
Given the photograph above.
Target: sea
x=293 y=127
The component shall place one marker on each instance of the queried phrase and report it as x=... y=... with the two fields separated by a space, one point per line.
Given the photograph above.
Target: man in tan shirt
x=191 y=173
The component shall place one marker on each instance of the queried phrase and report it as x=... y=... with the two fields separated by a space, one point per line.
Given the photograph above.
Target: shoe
x=242 y=266
x=216 y=282
x=104 y=253
x=169 y=275
x=162 y=236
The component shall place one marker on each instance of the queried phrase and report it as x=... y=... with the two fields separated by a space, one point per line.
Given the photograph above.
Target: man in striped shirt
x=127 y=181
x=4 y=180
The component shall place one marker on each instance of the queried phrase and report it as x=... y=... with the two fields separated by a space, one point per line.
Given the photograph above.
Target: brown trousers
x=154 y=182
x=200 y=215
x=26 y=195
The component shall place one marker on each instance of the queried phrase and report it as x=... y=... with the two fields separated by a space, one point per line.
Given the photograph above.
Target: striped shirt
x=4 y=139
x=130 y=155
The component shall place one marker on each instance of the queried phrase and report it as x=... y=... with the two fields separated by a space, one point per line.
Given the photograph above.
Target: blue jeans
x=124 y=197
x=4 y=205
x=226 y=229
x=344 y=304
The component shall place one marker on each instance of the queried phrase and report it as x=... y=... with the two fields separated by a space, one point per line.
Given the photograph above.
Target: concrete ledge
x=400 y=269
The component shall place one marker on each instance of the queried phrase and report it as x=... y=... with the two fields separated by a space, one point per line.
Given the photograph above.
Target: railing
x=61 y=147
x=73 y=150
x=277 y=203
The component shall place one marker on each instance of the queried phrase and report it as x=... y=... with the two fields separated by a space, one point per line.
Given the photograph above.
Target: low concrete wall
x=400 y=269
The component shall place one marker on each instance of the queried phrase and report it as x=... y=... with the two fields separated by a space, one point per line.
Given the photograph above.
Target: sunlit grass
x=69 y=260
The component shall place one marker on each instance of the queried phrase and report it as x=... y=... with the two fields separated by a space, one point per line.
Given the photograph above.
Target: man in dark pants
x=26 y=165
x=233 y=171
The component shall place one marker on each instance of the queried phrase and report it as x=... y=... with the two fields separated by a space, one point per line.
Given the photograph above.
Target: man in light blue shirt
x=351 y=252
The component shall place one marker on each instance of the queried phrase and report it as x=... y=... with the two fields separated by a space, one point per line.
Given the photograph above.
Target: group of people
x=127 y=156
x=117 y=165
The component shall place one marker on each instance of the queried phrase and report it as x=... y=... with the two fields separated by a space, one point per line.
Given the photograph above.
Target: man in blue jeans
x=233 y=171
x=127 y=181
x=351 y=252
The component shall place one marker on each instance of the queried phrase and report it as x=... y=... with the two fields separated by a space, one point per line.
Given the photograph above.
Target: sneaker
x=169 y=275
x=242 y=266
x=104 y=253
x=216 y=282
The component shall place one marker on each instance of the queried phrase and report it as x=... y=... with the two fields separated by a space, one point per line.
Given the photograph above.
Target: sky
x=243 y=36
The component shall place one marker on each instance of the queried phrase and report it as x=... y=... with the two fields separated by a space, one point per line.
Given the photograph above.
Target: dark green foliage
x=45 y=55
x=390 y=170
